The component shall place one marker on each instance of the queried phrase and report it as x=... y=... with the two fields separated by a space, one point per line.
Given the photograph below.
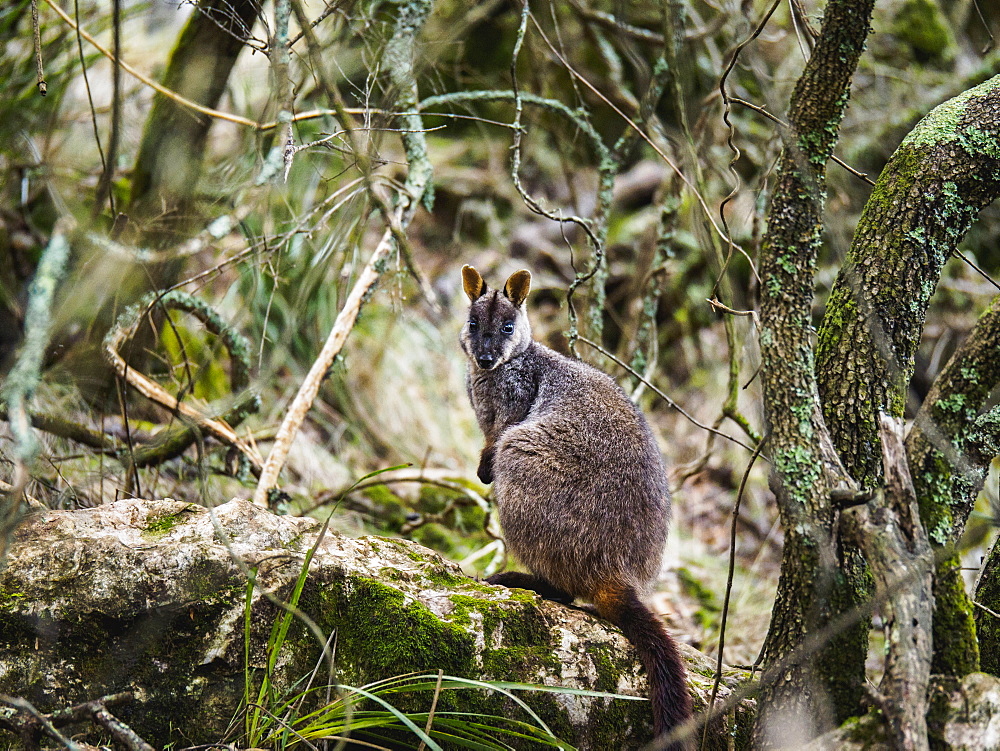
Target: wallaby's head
x=497 y=328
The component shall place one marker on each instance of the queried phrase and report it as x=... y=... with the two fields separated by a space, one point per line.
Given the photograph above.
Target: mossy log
x=151 y=597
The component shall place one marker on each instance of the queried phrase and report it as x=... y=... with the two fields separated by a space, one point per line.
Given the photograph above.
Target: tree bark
x=934 y=186
x=950 y=448
x=988 y=614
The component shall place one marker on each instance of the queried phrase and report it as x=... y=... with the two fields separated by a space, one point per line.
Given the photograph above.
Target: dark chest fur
x=503 y=396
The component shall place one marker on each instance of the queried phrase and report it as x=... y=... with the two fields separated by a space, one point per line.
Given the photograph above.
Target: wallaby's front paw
x=485 y=471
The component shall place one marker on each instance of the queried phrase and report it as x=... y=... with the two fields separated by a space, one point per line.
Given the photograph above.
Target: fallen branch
x=21 y=717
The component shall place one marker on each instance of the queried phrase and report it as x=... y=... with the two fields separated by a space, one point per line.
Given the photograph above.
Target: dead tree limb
x=894 y=540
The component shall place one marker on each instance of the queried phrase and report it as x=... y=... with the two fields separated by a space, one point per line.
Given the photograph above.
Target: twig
x=27 y=720
x=308 y=26
x=731 y=142
x=613 y=23
x=975 y=268
x=656 y=148
x=86 y=84
x=126 y=326
x=986 y=610
x=43 y=88
x=726 y=309
x=120 y=731
x=34 y=721
x=664 y=397
x=775 y=119
x=729 y=585
x=595 y=228
x=433 y=709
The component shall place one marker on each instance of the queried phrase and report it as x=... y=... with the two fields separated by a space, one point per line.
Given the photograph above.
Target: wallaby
x=577 y=478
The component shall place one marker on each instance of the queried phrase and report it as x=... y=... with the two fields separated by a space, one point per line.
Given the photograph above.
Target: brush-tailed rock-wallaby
x=577 y=478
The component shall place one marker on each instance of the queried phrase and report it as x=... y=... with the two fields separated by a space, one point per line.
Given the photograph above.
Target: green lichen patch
x=941 y=125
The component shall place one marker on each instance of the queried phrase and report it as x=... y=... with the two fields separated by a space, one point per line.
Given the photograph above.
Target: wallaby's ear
x=517 y=287
x=473 y=283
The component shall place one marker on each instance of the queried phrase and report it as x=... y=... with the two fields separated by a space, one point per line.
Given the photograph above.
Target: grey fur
x=578 y=479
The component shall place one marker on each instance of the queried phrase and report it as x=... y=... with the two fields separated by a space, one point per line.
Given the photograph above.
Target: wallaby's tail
x=658 y=653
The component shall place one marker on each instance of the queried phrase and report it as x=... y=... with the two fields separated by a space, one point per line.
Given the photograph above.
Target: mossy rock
x=115 y=598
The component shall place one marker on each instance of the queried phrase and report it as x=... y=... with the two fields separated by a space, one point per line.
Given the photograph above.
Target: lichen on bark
x=944 y=172
x=923 y=203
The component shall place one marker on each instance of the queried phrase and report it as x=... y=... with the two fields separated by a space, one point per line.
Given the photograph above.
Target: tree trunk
x=812 y=589
x=168 y=164
x=930 y=192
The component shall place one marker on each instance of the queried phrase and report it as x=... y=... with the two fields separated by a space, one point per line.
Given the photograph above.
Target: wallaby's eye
x=473 y=325
x=508 y=328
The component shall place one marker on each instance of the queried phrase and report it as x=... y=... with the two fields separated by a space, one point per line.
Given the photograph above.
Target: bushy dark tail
x=658 y=653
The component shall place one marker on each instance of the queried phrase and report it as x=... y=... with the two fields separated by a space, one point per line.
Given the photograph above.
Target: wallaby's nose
x=485 y=361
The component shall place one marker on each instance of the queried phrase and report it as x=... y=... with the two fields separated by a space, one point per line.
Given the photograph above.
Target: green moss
x=381 y=632
x=620 y=718
x=522 y=621
x=160 y=524
x=956 y=651
x=444 y=578
x=10 y=597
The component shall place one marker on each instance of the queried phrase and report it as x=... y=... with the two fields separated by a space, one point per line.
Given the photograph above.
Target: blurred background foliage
x=279 y=274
